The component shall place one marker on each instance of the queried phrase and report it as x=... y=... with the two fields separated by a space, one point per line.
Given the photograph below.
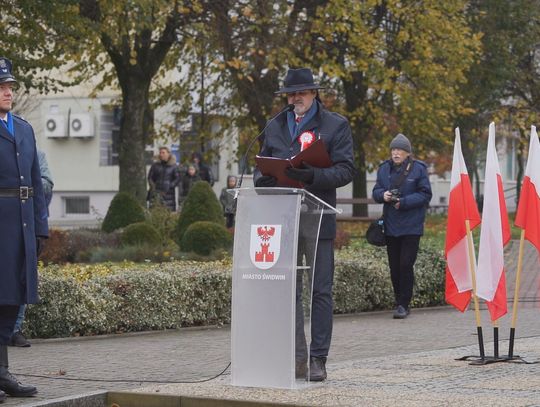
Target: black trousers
x=322 y=301
x=402 y=252
x=8 y=317
x=229 y=220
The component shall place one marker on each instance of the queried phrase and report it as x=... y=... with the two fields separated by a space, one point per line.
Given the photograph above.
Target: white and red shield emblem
x=264 y=245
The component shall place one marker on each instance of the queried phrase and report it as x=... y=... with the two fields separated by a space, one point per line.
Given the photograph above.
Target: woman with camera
x=404 y=189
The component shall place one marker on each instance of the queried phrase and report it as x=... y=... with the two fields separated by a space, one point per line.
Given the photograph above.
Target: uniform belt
x=21 y=192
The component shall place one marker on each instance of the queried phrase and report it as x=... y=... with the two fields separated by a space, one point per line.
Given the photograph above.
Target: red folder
x=315 y=155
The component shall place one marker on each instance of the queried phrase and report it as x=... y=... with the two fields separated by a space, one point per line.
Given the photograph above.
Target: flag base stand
x=516 y=358
x=480 y=361
x=519 y=359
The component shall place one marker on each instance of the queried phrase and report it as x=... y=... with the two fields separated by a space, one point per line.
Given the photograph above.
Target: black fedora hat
x=297 y=80
x=5 y=71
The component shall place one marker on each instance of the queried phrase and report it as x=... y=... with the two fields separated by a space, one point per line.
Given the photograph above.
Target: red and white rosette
x=305 y=139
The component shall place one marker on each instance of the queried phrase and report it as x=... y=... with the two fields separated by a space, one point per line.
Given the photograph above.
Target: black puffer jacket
x=163 y=178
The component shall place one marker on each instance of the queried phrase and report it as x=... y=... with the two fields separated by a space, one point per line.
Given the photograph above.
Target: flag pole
x=475 y=298
x=516 y=295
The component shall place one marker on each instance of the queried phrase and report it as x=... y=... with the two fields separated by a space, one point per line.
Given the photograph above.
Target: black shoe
x=2 y=396
x=301 y=369
x=10 y=385
x=18 y=339
x=317 y=369
x=401 y=312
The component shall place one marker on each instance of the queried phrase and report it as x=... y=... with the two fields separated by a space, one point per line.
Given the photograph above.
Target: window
x=77 y=205
x=109 y=130
x=109 y=141
x=190 y=142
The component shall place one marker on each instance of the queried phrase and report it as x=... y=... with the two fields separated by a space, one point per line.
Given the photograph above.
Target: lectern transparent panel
x=274 y=256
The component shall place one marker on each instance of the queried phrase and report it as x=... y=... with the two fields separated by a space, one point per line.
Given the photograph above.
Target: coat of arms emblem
x=264 y=245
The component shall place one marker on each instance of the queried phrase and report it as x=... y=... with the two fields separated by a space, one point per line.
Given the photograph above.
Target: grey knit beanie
x=401 y=142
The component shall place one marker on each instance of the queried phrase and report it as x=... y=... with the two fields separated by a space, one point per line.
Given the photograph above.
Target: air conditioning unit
x=81 y=125
x=55 y=126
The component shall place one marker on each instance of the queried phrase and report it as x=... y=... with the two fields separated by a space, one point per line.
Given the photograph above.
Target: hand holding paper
x=304 y=175
x=294 y=171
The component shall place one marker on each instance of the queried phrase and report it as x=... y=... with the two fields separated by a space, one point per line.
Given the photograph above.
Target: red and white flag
x=494 y=235
x=528 y=212
x=461 y=207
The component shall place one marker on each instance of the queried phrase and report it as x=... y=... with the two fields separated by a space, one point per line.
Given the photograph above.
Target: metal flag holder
x=511 y=357
x=482 y=359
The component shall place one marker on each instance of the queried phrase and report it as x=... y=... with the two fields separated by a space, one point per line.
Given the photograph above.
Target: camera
x=395 y=195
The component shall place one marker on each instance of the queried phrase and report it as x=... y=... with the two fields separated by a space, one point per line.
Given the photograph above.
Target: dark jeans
x=322 y=302
x=20 y=318
x=402 y=253
x=8 y=316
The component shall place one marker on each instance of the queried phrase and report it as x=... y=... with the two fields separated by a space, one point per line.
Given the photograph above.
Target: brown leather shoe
x=317 y=369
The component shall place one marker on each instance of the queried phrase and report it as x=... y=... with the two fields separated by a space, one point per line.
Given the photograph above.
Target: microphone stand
x=288 y=108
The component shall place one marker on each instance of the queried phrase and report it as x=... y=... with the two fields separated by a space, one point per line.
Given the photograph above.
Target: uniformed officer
x=285 y=137
x=23 y=216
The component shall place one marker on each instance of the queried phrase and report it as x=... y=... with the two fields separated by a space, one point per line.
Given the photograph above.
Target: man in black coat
x=285 y=137
x=163 y=178
x=23 y=220
x=203 y=170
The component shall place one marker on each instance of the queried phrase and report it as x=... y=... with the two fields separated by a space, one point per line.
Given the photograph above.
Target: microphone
x=288 y=108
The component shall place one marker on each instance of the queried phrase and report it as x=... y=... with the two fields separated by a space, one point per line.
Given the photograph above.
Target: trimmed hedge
x=201 y=204
x=205 y=237
x=140 y=233
x=362 y=278
x=90 y=300
x=123 y=210
x=109 y=298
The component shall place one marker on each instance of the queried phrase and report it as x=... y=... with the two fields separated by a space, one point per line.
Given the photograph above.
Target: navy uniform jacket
x=335 y=131
x=20 y=220
x=415 y=193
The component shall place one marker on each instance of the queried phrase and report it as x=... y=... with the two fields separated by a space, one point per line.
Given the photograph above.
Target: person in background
x=23 y=220
x=228 y=202
x=188 y=179
x=163 y=178
x=403 y=187
x=204 y=171
x=17 y=338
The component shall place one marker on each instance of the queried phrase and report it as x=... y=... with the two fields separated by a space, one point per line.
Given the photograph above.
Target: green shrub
x=123 y=210
x=140 y=233
x=130 y=298
x=107 y=298
x=56 y=248
x=205 y=237
x=161 y=218
x=74 y=245
x=137 y=254
x=201 y=204
x=362 y=278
